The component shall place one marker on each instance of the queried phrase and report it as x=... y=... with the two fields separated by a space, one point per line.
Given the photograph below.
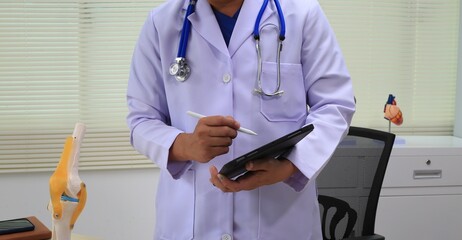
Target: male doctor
x=276 y=199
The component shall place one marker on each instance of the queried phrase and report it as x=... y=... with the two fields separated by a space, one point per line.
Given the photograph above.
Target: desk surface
x=427 y=145
x=81 y=237
x=428 y=141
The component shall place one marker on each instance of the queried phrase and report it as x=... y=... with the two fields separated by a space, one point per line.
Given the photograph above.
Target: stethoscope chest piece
x=180 y=69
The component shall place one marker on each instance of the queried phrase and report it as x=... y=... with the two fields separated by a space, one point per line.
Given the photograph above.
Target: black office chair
x=349 y=185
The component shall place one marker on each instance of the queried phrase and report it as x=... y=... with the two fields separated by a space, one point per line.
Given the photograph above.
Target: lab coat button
x=226 y=237
x=226 y=78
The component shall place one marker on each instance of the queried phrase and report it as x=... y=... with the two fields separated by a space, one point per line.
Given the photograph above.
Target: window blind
x=67 y=61
x=62 y=62
x=405 y=48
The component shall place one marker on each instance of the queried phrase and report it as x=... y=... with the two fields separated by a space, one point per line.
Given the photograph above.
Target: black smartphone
x=15 y=226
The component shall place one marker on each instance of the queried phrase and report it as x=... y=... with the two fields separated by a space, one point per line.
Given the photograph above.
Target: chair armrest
x=370 y=237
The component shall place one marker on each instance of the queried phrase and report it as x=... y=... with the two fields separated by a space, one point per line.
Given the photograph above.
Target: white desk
x=81 y=237
x=422 y=191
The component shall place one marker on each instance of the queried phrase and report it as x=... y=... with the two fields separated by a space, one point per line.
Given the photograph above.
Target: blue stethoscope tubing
x=282 y=30
x=186 y=30
x=181 y=70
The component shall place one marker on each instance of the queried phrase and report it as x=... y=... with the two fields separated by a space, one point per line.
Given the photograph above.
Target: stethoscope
x=181 y=70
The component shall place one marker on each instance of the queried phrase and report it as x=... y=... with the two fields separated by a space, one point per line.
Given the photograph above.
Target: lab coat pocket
x=291 y=105
x=175 y=207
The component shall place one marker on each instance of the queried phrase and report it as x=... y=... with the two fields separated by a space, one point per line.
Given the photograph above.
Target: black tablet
x=273 y=149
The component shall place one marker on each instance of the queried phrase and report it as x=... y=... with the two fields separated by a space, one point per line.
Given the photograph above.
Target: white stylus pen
x=241 y=129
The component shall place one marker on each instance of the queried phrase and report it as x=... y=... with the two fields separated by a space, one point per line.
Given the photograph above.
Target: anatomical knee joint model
x=67 y=192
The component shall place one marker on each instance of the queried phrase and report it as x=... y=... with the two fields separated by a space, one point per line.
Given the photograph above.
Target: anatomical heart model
x=392 y=112
x=67 y=192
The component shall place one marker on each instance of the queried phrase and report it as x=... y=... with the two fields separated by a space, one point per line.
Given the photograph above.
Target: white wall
x=458 y=115
x=120 y=203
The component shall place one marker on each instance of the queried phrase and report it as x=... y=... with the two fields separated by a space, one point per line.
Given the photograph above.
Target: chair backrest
x=351 y=182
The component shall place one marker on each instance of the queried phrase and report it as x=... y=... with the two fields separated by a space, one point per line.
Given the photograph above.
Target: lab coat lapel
x=204 y=22
x=246 y=22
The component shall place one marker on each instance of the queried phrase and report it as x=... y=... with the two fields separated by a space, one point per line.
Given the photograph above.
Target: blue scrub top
x=226 y=24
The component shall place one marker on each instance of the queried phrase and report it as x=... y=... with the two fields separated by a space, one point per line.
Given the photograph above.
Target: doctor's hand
x=260 y=173
x=212 y=137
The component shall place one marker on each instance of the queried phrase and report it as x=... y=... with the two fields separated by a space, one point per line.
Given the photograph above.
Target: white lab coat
x=222 y=81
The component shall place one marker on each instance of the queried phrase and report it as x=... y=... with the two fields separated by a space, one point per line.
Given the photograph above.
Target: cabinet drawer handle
x=423 y=174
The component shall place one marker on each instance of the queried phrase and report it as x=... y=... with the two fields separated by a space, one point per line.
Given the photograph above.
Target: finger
x=207 y=131
x=213 y=177
x=216 y=126
x=235 y=122
x=221 y=182
x=259 y=165
x=221 y=131
x=217 y=151
x=219 y=141
x=220 y=121
x=215 y=180
x=250 y=181
x=207 y=154
x=230 y=185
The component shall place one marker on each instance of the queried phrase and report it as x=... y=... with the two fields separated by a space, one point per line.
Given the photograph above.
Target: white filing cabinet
x=421 y=197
